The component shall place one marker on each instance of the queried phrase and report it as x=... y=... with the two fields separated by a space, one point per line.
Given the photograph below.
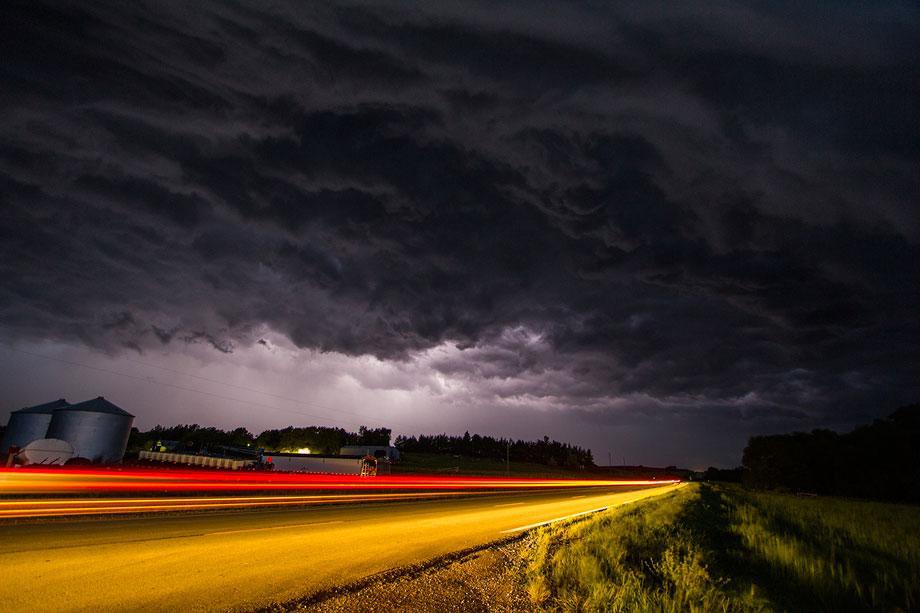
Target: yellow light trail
x=226 y=560
x=35 y=508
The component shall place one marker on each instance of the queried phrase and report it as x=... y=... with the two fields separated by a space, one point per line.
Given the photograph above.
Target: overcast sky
x=649 y=232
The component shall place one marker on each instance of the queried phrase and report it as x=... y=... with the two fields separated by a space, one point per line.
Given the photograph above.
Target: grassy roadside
x=716 y=548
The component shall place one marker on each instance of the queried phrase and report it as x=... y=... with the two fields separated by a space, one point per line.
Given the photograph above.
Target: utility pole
x=609 y=458
x=508 y=458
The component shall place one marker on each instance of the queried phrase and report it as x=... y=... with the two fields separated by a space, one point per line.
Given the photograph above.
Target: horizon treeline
x=879 y=461
x=318 y=439
x=545 y=451
x=193 y=438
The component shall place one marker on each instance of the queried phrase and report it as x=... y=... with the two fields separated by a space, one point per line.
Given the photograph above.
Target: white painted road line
x=574 y=515
x=550 y=521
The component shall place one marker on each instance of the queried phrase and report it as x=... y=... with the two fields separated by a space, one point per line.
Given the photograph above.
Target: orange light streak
x=45 y=481
x=40 y=481
x=26 y=508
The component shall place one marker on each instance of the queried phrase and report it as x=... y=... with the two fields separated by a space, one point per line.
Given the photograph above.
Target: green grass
x=832 y=553
x=437 y=463
x=718 y=548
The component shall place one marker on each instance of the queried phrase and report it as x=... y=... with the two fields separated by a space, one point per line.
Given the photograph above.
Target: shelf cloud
x=704 y=218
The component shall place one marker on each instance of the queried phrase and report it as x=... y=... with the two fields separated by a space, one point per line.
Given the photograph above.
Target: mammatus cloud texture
x=703 y=218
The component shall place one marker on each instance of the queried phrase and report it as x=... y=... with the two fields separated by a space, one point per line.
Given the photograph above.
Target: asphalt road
x=238 y=560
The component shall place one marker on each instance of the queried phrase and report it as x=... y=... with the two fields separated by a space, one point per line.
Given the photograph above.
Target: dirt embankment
x=483 y=579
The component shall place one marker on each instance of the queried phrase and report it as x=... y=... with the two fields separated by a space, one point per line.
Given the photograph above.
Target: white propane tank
x=46 y=451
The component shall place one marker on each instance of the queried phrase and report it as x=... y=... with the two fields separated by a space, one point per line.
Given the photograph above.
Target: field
x=721 y=548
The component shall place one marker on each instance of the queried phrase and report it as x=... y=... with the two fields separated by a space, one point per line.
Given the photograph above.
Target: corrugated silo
x=97 y=429
x=29 y=424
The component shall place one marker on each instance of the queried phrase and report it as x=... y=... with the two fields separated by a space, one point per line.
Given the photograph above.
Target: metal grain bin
x=97 y=429
x=29 y=424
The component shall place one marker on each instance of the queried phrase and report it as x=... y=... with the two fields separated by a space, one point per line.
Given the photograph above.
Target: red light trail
x=40 y=480
x=265 y=489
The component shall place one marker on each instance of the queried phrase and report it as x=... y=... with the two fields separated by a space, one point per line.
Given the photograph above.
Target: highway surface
x=243 y=559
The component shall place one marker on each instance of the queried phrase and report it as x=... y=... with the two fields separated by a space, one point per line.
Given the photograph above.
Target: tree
x=881 y=460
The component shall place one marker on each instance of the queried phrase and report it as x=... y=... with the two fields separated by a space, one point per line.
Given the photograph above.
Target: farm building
x=29 y=424
x=97 y=430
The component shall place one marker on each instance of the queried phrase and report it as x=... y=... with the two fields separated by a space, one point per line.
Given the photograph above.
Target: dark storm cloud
x=710 y=213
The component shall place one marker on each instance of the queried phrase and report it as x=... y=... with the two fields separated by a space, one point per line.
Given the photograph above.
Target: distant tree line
x=727 y=475
x=193 y=438
x=318 y=439
x=545 y=451
x=880 y=461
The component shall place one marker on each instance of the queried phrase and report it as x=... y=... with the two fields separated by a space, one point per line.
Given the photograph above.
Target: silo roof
x=48 y=407
x=97 y=405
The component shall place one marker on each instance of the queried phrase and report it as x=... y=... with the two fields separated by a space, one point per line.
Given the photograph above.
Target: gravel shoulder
x=488 y=578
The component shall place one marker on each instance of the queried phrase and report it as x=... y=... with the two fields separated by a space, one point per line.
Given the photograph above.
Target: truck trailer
x=365 y=466
x=189 y=459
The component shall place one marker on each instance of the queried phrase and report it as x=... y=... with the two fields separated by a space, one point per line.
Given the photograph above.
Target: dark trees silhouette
x=545 y=451
x=880 y=461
